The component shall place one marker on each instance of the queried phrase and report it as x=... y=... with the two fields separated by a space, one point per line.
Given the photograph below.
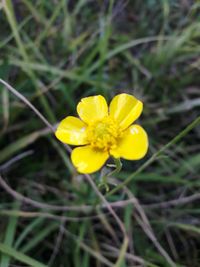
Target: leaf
x=20 y=256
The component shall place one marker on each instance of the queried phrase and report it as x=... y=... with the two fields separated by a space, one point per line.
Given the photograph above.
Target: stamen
x=103 y=134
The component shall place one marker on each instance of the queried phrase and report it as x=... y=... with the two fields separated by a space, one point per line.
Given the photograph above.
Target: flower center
x=103 y=134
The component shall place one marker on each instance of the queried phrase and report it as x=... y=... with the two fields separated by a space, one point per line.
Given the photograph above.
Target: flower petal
x=88 y=160
x=125 y=109
x=92 y=108
x=133 y=145
x=72 y=131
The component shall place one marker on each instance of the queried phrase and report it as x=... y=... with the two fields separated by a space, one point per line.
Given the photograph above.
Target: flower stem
x=104 y=178
x=118 y=167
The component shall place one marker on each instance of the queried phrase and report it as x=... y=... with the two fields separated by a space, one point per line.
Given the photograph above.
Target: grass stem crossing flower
x=103 y=131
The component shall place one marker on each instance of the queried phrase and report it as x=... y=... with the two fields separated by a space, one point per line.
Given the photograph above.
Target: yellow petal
x=92 y=108
x=88 y=160
x=125 y=109
x=133 y=145
x=72 y=131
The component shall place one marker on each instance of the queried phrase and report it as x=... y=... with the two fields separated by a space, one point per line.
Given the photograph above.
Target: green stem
x=104 y=183
x=118 y=167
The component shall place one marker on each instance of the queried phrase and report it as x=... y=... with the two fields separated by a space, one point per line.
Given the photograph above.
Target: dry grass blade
x=25 y=100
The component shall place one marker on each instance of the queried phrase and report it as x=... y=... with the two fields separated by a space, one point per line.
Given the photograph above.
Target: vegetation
x=54 y=53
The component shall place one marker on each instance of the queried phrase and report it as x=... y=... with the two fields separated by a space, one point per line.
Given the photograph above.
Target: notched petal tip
x=72 y=131
x=125 y=109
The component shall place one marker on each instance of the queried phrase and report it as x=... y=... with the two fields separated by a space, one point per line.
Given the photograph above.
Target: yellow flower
x=102 y=132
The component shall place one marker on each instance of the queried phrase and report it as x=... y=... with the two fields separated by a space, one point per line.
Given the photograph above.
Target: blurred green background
x=56 y=52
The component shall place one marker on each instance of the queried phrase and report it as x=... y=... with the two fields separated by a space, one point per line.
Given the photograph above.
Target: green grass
x=56 y=52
